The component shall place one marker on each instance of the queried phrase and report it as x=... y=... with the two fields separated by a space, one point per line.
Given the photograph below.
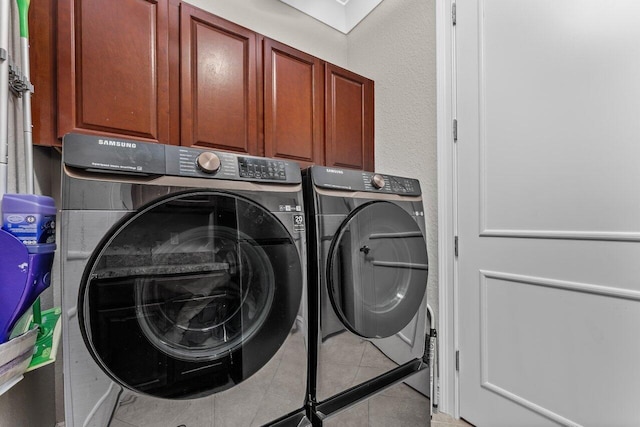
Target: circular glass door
x=190 y=295
x=206 y=313
x=377 y=270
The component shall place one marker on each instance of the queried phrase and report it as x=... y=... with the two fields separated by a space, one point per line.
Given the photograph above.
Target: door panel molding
x=606 y=291
x=563 y=285
x=613 y=236
x=529 y=405
x=575 y=193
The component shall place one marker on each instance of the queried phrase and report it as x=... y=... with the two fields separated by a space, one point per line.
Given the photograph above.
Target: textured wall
x=396 y=47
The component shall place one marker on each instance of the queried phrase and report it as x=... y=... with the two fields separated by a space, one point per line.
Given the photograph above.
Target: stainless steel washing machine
x=183 y=273
x=368 y=269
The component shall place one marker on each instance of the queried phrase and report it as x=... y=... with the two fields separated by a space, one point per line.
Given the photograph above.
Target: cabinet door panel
x=293 y=104
x=42 y=56
x=218 y=72
x=113 y=68
x=349 y=119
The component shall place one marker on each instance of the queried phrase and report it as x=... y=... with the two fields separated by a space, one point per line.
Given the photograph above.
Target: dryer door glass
x=377 y=272
x=191 y=294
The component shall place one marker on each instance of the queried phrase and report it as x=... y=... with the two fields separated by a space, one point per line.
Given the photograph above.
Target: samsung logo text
x=121 y=144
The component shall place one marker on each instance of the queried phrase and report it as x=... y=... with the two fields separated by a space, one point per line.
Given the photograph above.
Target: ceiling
x=343 y=15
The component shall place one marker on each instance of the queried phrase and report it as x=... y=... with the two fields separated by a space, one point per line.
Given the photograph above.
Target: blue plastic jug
x=27 y=248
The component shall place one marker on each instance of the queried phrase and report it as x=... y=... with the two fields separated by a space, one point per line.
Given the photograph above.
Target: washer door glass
x=377 y=270
x=216 y=290
x=191 y=294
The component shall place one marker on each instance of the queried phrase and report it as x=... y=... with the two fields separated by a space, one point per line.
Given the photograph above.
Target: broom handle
x=5 y=11
x=23 y=11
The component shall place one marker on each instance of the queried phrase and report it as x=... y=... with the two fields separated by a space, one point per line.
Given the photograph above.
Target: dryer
x=183 y=272
x=368 y=269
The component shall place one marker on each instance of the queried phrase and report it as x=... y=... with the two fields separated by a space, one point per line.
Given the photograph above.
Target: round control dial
x=377 y=181
x=208 y=162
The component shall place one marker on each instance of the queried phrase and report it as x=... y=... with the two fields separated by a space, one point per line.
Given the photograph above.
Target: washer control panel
x=252 y=167
x=142 y=158
x=183 y=161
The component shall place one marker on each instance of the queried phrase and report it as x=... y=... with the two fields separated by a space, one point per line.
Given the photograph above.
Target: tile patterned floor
x=398 y=406
x=280 y=385
x=348 y=360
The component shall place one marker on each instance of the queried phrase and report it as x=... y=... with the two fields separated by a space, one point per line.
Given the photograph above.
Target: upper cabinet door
x=293 y=104
x=349 y=119
x=42 y=56
x=218 y=83
x=113 y=68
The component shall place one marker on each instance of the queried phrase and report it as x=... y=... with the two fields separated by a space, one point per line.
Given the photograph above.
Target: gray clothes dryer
x=368 y=270
x=183 y=276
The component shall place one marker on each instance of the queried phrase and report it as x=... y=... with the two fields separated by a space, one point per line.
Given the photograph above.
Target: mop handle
x=23 y=12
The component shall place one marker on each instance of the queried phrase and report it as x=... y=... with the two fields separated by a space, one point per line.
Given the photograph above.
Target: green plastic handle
x=37 y=312
x=23 y=11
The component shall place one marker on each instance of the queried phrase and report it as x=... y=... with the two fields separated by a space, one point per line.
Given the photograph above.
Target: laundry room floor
x=444 y=420
x=398 y=406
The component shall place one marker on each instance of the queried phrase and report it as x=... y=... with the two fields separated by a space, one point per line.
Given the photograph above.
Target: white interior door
x=548 y=149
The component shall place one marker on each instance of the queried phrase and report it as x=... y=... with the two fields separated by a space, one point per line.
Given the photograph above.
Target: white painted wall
x=396 y=47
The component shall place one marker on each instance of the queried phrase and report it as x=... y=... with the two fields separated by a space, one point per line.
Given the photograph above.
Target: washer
x=368 y=271
x=183 y=274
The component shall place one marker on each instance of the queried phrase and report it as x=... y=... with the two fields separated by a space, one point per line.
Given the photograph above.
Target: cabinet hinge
x=453 y=13
x=3 y=55
x=457 y=360
x=455 y=130
x=455 y=245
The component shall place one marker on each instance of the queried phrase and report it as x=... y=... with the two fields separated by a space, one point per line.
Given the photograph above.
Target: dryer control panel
x=353 y=180
x=104 y=154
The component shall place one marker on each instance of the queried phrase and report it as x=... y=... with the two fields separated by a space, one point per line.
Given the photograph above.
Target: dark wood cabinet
x=293 y=104
x=42 y=57
x=349 y=119
x=165 y=71
x=218 y=83
x=113 y=68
